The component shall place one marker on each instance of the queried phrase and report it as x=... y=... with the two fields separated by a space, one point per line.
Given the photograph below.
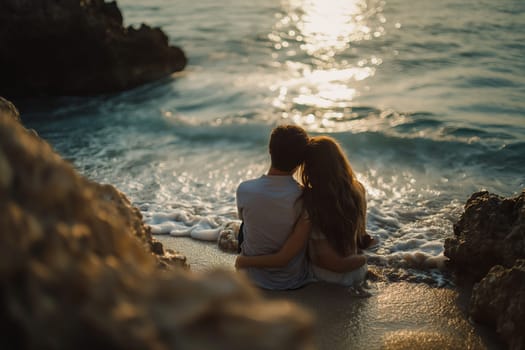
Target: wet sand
x=399 y=315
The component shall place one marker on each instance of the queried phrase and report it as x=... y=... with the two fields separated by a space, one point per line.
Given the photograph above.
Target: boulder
x=77 y=270
x=78 y=47
x=488 y=247
x=490 y=232
x=227 y=240
x=498 y=300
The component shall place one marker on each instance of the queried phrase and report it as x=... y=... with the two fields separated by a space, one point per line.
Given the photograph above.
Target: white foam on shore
x=180 y=223
x=412 y=242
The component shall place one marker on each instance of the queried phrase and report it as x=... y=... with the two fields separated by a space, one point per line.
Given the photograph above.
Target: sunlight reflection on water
x=327 y=27
x=323 y=82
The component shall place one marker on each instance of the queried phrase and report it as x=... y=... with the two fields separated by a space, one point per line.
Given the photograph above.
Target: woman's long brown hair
x=333 y=197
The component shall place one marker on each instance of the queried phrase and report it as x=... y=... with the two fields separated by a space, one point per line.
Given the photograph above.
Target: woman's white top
x=349 y=279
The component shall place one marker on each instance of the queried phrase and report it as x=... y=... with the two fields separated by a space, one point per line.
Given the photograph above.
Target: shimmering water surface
x=426 y=97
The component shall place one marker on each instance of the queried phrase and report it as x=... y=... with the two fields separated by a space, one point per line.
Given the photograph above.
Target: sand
x=399 y=315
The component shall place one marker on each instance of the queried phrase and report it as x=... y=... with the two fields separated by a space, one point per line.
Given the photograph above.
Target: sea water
x=427 y=98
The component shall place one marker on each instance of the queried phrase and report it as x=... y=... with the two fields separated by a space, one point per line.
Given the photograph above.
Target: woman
x=333 y=222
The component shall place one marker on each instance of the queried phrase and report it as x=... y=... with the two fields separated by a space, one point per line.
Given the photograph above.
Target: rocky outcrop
x=61 y=193
x=490 y=232
x=78 y=47
x=77 y=271
x=488 y=247
x=499 y=300
x=8 y=109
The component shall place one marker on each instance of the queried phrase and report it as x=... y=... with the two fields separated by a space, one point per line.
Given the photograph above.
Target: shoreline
x=399 y=315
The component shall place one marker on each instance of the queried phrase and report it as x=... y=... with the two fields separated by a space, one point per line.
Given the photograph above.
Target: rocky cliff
x=488 y=248
x=77 y=270
x=78 y=47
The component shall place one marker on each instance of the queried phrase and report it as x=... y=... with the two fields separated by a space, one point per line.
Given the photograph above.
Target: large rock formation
x=488 y=247
x=490 y=232
x=76 y=270
x=77 y=47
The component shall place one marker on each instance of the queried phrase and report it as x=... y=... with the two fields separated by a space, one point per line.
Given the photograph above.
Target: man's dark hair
x=287 y=147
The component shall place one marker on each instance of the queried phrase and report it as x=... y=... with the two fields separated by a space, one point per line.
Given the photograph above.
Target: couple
x=293 y=234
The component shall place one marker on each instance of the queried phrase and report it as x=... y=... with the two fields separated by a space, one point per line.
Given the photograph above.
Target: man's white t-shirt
x=269 y=208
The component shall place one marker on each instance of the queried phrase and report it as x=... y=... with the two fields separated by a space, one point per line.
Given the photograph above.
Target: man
x=269 y=207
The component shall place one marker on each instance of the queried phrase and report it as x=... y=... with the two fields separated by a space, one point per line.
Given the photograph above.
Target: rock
x=170 y=258
x=227 y=240
x=499 y=300
x=490 y=232
x=489 y=246
x=76 y=271
x=78 y=47
x=7 y=108
x=157 y=247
